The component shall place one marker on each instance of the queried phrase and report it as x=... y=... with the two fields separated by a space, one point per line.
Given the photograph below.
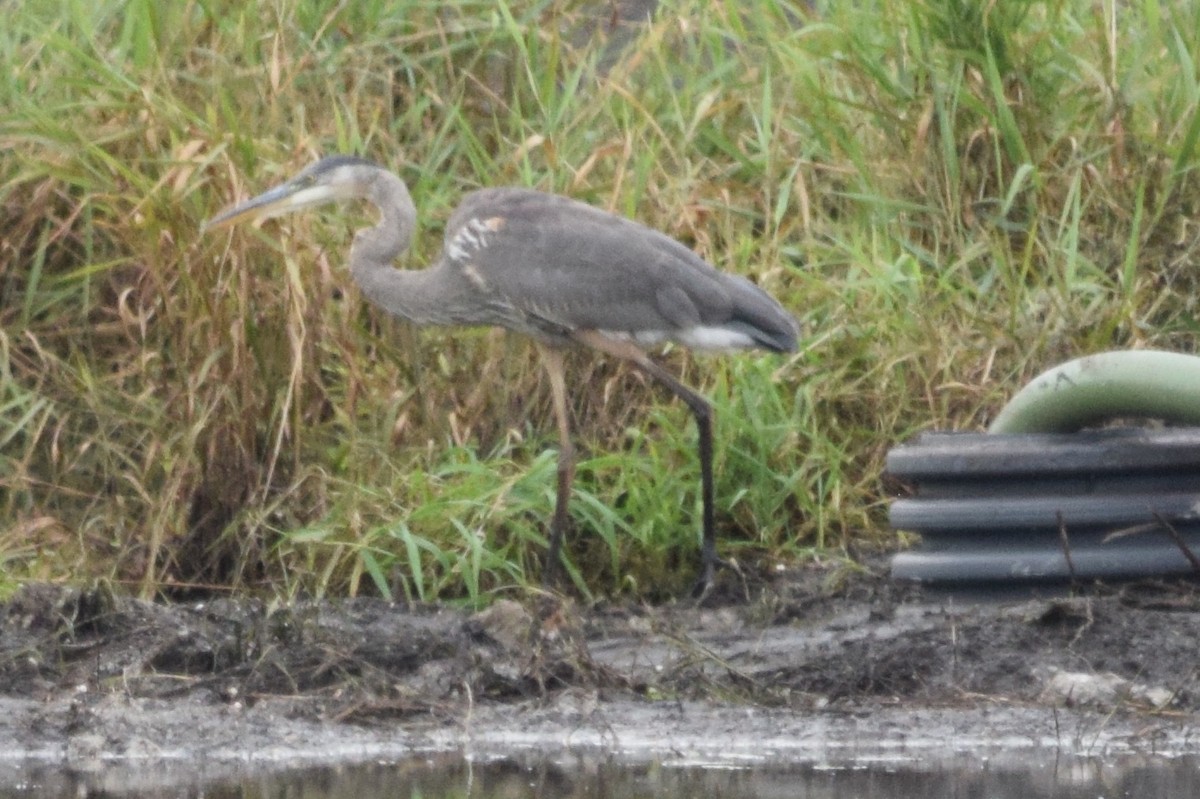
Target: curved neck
x=422 y=297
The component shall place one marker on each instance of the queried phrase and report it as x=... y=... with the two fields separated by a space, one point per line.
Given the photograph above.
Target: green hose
x=1129 y=383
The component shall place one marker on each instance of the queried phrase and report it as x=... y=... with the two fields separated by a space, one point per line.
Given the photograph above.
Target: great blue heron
x=555 y=269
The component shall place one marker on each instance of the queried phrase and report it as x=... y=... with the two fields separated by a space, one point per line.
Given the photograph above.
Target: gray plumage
x=561 y=265
x=556 y=269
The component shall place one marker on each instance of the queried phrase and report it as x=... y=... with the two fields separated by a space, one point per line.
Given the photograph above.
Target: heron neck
x=420 y=296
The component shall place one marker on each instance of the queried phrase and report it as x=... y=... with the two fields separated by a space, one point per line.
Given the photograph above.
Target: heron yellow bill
x=283 y=199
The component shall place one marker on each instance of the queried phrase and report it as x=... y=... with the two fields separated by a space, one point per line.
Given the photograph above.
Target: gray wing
x=561 y=265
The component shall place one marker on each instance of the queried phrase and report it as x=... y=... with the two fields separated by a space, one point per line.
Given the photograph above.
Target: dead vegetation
x=947 y=214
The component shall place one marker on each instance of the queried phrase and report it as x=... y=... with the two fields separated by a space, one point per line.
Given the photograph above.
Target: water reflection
x=584 y=777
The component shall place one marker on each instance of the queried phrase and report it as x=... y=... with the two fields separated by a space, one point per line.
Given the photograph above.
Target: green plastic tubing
x=1130 y=383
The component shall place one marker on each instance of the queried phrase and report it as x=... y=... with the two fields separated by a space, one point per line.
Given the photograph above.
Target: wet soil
x=823 y=662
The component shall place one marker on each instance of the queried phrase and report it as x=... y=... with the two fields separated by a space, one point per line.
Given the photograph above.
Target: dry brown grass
x=946 y=216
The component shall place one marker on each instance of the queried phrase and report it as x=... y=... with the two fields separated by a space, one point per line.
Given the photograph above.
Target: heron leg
x=552 y=359
x=702 y=410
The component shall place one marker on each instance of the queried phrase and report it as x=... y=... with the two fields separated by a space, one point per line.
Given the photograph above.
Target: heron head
x=335 y=177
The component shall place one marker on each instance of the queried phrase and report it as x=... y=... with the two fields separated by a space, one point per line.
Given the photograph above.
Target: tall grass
x=951 y=196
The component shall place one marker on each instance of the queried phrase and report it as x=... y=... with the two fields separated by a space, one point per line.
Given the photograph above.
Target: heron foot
x=708 y=571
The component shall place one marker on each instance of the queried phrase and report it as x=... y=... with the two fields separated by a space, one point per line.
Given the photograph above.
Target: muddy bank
x=821 y=664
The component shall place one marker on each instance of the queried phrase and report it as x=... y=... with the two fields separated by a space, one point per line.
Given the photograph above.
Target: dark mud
x=823 y=663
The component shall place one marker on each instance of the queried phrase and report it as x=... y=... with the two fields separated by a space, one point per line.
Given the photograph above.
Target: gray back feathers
x=565 y=265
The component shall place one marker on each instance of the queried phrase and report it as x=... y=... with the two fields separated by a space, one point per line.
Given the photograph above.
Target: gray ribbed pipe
x=1129 y=383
